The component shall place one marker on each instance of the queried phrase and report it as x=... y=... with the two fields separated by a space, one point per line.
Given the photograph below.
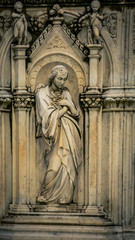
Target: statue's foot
x=63 y=200
x=40 y=199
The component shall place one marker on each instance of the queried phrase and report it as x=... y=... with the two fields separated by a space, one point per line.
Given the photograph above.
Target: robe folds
x=63 y=153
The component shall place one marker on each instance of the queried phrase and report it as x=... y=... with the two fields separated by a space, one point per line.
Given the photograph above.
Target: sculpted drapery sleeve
x=64 y=156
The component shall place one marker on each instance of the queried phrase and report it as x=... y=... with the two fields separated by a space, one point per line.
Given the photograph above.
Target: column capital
x=19 y=47
x=91 y=98
x=22 y=102
x=94 y=46
x=5 y=101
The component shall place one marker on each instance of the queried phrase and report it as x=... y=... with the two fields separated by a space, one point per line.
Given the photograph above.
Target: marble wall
x=102 y=85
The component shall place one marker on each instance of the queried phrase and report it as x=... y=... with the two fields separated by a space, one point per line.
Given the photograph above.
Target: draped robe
x=64 y=149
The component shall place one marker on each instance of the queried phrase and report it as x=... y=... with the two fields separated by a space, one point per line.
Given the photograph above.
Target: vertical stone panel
x=128 y=168
x=33 y=166
x=106 y=156
x=117 y=167
x=5 y=161
x=112 y=164
x=86 y=168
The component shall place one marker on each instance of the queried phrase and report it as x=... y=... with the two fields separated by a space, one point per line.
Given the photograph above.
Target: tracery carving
x=56 y=43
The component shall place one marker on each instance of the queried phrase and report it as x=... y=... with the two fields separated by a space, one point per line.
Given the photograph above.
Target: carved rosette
x=23 y=102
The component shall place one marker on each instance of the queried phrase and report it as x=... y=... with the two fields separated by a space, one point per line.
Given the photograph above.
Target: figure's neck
x=56 y=89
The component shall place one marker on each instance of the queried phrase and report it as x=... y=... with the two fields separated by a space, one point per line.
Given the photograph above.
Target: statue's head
x=18 y=6
x=58 y=73
x=95 y=5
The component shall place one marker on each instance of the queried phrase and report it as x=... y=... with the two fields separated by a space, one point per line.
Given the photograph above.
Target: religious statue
x=57 y=114
x=20 y=24
x=94 y=23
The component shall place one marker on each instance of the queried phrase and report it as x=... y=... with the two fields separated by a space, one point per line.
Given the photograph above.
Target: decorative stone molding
x=56 y=58
x=37 y=23
x=109 y=104
x=23 y=102
x=133 y=43
x=90 y=100
x=110 y=24
x=123 y=103
x=56 y=15
x=75 y=40
x=40 y=39
x=57 y=43
x=37 y=2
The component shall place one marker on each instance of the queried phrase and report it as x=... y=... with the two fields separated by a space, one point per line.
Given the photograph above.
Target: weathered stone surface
x=101 y=82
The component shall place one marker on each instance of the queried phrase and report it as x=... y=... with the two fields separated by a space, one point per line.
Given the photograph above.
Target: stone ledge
x=49 y=232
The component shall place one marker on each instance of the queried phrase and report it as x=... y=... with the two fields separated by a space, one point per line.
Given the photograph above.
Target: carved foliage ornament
x=110 y=24
x=91 y=102
x=23 y=102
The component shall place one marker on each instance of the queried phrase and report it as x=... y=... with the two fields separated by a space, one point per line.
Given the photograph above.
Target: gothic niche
x=57 y=74
x=61 y=129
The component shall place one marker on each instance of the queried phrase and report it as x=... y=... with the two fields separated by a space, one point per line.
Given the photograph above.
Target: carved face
x=19 y=8
x=95 y=8
x=59 y=80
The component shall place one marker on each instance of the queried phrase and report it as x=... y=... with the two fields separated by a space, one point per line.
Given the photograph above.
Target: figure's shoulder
x=65 y=89
x=41 y=89
x=66 y=93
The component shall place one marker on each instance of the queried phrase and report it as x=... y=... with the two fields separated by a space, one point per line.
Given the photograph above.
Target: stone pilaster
x=5 y=150
x=20 y=124
x=91 y=100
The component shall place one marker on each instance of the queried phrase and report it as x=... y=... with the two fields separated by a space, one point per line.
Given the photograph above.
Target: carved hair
x=18 y=4
x=58 y=68
x=95 y=3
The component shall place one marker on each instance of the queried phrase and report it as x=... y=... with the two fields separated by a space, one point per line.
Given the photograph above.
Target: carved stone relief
x=110 y=24
x=67 y=114
x=56 y=112
x=5 y=23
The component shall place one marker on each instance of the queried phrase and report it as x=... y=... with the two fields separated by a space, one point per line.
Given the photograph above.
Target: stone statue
x=57 y=114
x=94 y=25
x=20 y=24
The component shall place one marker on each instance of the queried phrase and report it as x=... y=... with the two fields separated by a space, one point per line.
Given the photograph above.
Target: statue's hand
x=62 y=112
x=63 y=103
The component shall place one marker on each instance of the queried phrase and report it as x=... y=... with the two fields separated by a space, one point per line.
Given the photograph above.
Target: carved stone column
x=91 y=100
x=20 y=130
